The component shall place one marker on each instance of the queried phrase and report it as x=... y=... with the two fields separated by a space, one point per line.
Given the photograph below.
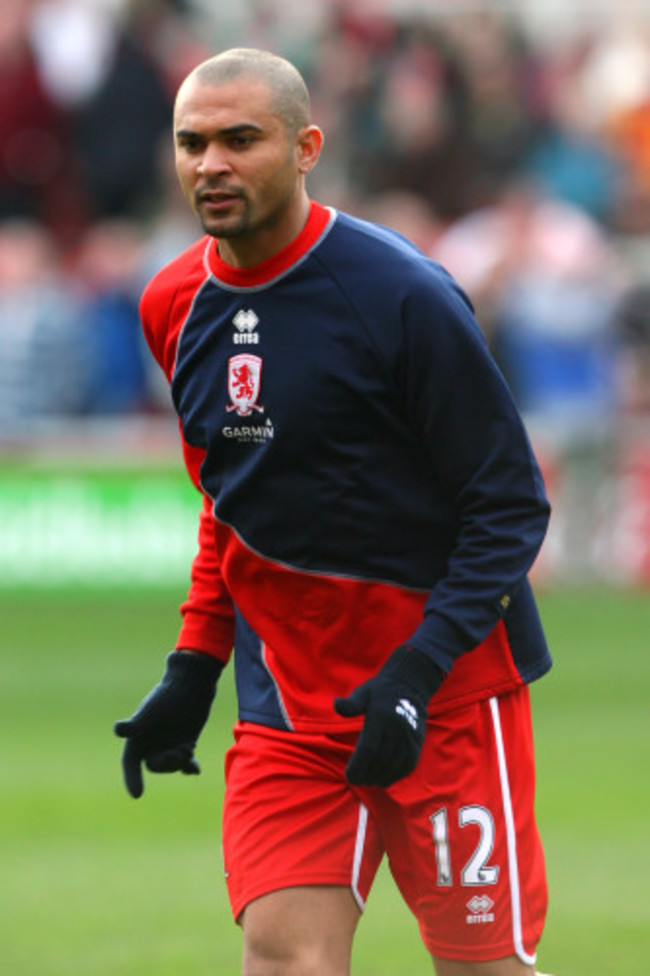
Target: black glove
x=395 y=704
x=164 y=730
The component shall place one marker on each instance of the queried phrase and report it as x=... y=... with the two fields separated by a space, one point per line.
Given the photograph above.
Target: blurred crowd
x=511 y=147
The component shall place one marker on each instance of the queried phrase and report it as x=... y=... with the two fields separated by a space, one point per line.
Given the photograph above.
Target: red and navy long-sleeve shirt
x=367 y=479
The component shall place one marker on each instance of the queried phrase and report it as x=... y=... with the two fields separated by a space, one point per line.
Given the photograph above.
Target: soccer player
x=371 y=509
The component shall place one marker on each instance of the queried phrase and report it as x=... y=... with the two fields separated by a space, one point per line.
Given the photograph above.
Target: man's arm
x=164 y=730
x=465 y=419
x=208 y=613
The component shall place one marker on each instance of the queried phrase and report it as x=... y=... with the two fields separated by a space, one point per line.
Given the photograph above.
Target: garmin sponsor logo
x=249 y=433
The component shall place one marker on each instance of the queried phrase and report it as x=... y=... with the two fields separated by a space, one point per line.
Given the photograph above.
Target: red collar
x=317 y=222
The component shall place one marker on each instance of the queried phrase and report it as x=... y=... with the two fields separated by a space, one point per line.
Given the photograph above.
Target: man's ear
x=309 y=143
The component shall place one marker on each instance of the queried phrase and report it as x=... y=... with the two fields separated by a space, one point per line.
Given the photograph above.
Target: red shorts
x=459 y=832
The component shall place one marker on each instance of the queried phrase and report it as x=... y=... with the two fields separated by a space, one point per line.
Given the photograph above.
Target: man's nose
x=214 y=160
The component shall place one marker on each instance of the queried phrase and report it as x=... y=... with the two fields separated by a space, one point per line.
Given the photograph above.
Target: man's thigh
x=291 y=820
x=306 y=930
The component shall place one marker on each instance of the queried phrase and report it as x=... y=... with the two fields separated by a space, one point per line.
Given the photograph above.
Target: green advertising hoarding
x=96 y=528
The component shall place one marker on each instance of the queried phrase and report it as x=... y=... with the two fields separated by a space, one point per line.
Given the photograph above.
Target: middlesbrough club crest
x=244 y=377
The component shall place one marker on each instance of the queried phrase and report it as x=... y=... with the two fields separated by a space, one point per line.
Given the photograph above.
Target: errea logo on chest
x=245 y=321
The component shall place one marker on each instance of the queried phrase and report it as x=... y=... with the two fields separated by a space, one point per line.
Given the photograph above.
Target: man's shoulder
x=167 y=300
x=387 y=260
x=187 y=268
x=367 y=234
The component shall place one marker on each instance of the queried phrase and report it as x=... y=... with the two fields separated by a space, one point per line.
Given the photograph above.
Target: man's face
x=238 y=166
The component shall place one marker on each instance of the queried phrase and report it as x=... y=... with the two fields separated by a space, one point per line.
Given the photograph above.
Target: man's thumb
x=123 y=728
x=355 y=704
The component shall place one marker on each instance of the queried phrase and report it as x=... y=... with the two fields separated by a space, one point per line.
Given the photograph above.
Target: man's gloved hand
x=164 y=730
x=394 y=703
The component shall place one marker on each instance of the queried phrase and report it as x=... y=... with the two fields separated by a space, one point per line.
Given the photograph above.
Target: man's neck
x=250 y=250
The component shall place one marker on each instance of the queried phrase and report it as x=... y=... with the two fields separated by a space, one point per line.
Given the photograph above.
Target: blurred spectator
x=500 y=108
x=633 y=326
x=44 y=367
x=73 y=41
x=108 y=267
x=615 y=82
x=544 y=280
x=452 y=112
x=546 y=285
x=115 y=94
x=571 y=159
x=118 y=129
x=34 y=141
x=408 y=117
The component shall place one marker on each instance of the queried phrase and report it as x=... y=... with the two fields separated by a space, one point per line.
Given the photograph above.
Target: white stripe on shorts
x=358 y=855
x=511 y=838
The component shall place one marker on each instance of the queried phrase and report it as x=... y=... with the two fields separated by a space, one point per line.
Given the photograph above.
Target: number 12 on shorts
x=476 y=871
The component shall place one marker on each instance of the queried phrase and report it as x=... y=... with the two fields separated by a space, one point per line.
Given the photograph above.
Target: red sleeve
x=208 y=613
x=166 y=303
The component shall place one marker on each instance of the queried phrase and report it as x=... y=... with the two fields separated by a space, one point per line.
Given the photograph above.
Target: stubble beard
x=228 y=228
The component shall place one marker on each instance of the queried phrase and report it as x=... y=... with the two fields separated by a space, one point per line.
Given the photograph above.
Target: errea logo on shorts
x=480 y=913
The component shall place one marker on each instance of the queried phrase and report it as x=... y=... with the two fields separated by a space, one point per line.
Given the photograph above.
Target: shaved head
x=290 y=97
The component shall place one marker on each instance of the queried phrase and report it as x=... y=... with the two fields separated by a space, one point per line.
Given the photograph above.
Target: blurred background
x=509 y=140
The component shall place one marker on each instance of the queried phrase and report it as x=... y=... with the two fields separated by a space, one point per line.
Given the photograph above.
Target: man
x=371 y=510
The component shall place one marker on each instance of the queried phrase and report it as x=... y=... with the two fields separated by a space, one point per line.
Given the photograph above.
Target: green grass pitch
x=94 y=883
